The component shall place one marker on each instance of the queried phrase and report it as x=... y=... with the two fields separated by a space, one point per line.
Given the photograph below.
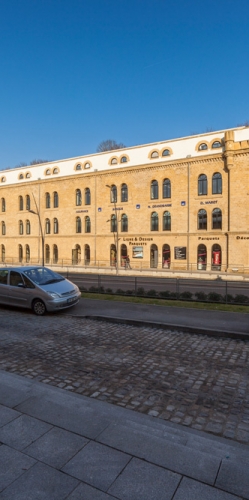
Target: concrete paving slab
x=86 y=492
x=10 y=396
x=7 y=415
x=234 y=477
x=173 y=456
x=56 y=447
x=41 y=483
x=143 y=481
x=193 y=490
x=97 y=465
x=82 y=422
x=12 y=465
x=23 y=431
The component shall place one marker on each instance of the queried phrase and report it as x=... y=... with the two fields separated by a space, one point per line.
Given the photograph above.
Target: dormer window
x=216 y=144
x=87 y=165
x=154 y=154
x=203 y=146
x=56 y=170
x=48 y=171
x=78 y=167
x=123 y=159
x=114 y=161
x=166 y=152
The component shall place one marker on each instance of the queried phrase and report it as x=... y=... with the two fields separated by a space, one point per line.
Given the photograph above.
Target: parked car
x=37 y=288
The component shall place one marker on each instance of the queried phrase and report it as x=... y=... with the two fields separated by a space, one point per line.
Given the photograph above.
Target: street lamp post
x=115 y=233
x=40 y=225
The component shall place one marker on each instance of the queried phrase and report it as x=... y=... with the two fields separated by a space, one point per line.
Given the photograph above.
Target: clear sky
x=76 y=72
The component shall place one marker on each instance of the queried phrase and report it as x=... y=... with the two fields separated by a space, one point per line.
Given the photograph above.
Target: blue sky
x=76 y=72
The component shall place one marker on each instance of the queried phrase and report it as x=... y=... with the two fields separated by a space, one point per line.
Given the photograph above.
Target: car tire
x=38 y=307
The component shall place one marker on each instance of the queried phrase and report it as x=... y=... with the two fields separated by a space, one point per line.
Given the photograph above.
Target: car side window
x=27 y=282
x=3 y=277
x=15 y=278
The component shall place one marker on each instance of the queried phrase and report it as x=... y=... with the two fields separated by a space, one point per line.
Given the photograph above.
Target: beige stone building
x=174 y=205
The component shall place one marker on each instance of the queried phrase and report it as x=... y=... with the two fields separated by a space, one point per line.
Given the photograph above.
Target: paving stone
x=174 y=456
x=143 y=481
x=86 y=492
x=194 y=490
x=40 y=483
x=22 y=431
x=56 y=447
x=234 y=477
x=7 y=415
x=97 y=465
x=12 y=465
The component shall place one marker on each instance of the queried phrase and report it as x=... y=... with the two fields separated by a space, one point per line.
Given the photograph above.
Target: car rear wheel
x=38 y=307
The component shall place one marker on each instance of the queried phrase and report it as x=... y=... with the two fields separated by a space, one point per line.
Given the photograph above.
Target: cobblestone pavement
x=197 y=381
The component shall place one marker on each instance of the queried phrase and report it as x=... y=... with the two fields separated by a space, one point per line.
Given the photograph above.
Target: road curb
x=167 y=326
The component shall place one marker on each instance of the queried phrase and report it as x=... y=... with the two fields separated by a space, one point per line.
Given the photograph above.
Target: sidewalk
x=58 y=445
x=216 y=323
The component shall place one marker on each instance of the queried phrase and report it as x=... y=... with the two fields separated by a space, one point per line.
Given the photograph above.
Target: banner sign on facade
x=137 y=252
x=180 y=253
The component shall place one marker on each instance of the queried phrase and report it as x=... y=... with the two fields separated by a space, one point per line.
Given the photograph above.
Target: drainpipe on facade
x=228 y=154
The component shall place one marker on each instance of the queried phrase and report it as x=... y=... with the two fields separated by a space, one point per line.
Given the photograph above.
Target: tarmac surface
x=57 y=444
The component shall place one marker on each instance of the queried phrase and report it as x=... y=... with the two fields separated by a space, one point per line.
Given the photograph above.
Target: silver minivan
x=37 y=288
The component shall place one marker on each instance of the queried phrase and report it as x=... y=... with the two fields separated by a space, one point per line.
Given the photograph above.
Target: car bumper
x=56 y=305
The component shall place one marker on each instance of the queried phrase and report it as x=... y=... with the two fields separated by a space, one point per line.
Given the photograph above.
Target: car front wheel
x=38 y=307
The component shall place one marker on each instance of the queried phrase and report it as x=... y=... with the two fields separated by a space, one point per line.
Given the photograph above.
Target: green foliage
x=164 y=295
x=201 y=296
x=214 y=297
x=109 y=290
x=186 y=295
x=151 y=293
x=241 y=299
x=140 y=291
x=119 y=291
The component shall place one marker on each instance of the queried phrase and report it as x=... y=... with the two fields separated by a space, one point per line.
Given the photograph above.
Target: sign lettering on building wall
x=208 y=239
x=118 y=208
x=180 y=253
x=161 y=205
x=208 y=202
x=242 y=237
x=80 y=211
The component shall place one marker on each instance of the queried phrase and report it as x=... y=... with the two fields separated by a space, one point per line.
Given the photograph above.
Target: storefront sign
x=161 y=205
x=118 y=208
x=137 y=239
x=80 y=211
x=208 y=239
x=180 y=253
x=242 y=237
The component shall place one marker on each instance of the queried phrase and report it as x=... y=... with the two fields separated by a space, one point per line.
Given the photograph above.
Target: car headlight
x=54 y=295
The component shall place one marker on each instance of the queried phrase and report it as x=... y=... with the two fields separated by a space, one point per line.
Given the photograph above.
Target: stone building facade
x=180 y=204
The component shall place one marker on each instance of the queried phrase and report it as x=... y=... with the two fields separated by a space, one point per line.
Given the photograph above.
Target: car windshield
x=43 y=276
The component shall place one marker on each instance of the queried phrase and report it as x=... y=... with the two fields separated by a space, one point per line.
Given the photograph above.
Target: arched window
x=166 y=256
x=201 y=257
x=27 y=202
x=153 y=256
x=154 y=221
x=27 y=253
x=124 y=193
x=113 y=255
x=2 y=253
x=87 y=224
x=56 y=199
x=166 y=221
x=3 y=205
x=56 y=226
x=20 y=227
x=216 y=219
x=166 y=188
x=3 y=228
x=28 y=175
x=28 y=228
x=87 y=165
x=78 y=225
x=76 y=255
x=154 y=190
x=217 y=183
x=124 y=223
x=47 y=226
x=78 y=197
x=202 y=219
x=20 y=253
x=216 y=144
x=48 y=171
x=216 y=257
x=78 y=167
x=47 y=254
x=55 y=254
x=202 y=146
x=202 y=184
x=87 y=196
x=3 y=179
x=56 y=171
x=47 y=200
x=21 y=176
x=114 y=194
x=20 y=203
x=166 y=152
x=114 y=161
x=154 y=154
x=87 y=255
x=113 y=223
x=123 y=159
x=123 y=255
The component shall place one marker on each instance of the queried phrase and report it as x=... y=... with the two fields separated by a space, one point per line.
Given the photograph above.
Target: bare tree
x=21 y=164
x=38 y=161
x=109 y=145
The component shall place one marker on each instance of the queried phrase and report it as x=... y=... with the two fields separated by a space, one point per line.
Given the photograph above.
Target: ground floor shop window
x=166 y=256
x=55 y=254
x=153 y=256
x=20 y=252
x=87 y=255
x=47 y=254
x=76 y=255
x=216 y=258
x=27 y=252
x=2 y=253
x=123 y=255
x=113 y=256
x=202 y=258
